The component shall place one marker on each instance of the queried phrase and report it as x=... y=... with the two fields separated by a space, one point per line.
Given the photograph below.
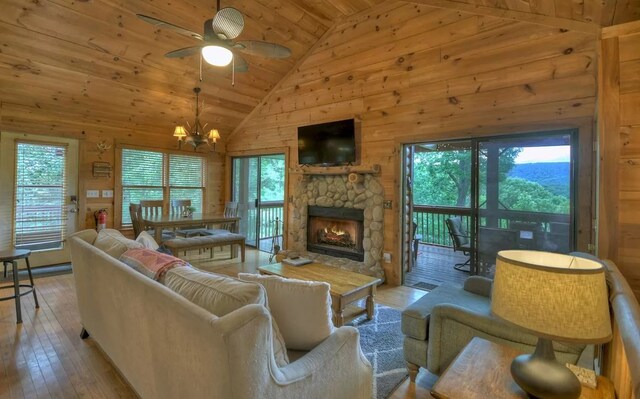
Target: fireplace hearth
x=336 y=232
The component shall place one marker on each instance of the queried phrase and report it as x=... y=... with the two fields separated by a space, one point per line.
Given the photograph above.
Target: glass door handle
x=257 y=202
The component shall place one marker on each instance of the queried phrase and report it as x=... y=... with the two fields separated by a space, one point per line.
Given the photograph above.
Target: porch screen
x=40 y=213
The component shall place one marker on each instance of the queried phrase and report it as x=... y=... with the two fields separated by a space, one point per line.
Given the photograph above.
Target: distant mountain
x=554 y=176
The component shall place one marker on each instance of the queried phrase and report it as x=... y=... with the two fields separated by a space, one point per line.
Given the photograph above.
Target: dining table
x=172 y=221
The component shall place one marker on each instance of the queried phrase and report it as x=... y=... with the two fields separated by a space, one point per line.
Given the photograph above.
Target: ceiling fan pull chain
x=201 y=67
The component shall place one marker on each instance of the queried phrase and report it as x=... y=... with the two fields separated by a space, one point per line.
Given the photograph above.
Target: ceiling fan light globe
x=217 y=55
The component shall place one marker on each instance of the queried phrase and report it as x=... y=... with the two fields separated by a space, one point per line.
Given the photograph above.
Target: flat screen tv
x=331 y=144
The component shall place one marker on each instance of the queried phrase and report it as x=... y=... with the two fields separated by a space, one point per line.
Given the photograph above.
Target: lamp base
x=541 y=376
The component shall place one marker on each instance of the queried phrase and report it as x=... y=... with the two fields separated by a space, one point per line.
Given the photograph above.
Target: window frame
x=166 y=189
x=64 y=210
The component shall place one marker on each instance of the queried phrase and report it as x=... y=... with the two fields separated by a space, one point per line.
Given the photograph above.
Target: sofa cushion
x=415 y=318
x=114 y=243
x=221 y=295
x=301 y=308
x=147 y=240
x=150 y=262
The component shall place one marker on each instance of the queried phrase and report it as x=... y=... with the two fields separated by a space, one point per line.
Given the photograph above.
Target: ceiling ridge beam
x=277 y=86
x=539 y=19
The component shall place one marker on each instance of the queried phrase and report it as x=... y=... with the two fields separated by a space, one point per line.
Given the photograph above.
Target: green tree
x=443 y=177
x=523 y=195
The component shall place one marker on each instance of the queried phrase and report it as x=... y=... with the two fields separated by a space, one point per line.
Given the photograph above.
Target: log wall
x=619 y=135
x=414 y=73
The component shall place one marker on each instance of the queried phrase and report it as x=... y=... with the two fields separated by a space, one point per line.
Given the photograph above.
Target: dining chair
x=178 y=208
x=147 y=208
x=152 y=207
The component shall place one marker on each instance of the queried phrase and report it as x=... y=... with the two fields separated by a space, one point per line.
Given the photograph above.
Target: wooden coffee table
x=346 y=287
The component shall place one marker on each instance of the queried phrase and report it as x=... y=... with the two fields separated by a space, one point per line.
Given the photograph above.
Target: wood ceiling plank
x=629 y=76
x=563 y=9
x=578 y=26
x=543 y=7
x=385 y=30
x=626 y=11
x=520 y=5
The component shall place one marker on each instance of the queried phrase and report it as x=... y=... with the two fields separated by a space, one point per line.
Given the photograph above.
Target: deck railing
x=431 y=221
x=269 y=210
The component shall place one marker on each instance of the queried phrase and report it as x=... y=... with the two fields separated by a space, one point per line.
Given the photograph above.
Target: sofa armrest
x=479 y=285
x=335 y=368
x=452 y=327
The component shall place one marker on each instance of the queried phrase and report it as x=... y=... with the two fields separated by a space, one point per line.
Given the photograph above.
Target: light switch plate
x=107 y=193
x=93 y=193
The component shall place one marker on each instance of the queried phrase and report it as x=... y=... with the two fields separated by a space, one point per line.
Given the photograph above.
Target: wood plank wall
x=619 y=136
x=414 y=73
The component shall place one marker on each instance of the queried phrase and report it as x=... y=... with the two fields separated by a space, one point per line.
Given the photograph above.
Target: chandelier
x=196 y=135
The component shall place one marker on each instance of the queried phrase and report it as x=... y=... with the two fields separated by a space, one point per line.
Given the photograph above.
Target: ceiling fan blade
x=228 y=23
x=240 y=64
x=264 y=49
x=183 y=52
x=162 y=24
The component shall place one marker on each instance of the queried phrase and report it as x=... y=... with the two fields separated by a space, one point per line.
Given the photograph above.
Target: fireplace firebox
x=336 y=232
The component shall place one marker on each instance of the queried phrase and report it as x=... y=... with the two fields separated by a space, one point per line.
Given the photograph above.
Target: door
x=258 y=185
x=525 y=196
x=473 y=198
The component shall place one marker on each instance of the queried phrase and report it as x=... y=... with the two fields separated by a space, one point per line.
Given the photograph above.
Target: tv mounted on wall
x=330 y=144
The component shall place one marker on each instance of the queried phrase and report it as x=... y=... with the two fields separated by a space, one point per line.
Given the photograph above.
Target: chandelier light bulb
x=217 y=55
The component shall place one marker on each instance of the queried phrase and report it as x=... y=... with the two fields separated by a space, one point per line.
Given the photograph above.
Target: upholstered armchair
x=440 y=324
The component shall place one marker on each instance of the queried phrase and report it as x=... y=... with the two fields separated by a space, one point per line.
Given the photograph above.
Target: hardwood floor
x=45 y=357
x=434 y=266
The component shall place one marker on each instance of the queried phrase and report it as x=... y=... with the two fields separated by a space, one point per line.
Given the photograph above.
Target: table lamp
x=555 y=297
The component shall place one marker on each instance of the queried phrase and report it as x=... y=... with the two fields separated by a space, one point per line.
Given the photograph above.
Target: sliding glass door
x=258 y=185
x=469 y=199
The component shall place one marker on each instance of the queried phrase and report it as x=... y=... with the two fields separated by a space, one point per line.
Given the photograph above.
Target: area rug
x=381 y=342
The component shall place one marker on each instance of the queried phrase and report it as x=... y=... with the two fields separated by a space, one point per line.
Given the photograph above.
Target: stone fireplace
x=328 y=191
x=336 y=231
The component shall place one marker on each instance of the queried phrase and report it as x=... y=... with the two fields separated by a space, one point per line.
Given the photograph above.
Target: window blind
x=142 y=178
x=186 y=179
x=40 y=190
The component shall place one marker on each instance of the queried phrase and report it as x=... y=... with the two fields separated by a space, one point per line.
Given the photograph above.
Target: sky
x=560 y=153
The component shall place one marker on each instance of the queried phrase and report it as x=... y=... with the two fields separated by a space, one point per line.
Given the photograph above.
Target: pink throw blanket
x=152 y=264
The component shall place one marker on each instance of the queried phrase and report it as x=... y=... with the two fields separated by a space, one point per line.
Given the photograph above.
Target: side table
x=11 y=257
x=482 y=370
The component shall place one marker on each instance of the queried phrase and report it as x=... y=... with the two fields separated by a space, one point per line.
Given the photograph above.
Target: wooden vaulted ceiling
x=68 y=67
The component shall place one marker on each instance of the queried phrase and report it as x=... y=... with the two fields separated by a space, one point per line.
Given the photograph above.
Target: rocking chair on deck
x=461 y=241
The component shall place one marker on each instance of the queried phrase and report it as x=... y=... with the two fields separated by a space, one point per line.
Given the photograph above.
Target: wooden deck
x=434 y=267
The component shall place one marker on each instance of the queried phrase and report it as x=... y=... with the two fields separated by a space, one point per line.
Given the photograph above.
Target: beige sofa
x=167 y=347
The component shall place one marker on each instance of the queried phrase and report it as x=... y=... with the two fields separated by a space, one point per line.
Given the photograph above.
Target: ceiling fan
x=218 y=47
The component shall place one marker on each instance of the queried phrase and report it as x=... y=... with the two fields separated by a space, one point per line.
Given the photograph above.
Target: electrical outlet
x=388 y=204
x=107 y=193
x=93 y=193
x=387 y=257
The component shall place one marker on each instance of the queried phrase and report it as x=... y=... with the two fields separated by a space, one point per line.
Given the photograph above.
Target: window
x=40 y=215
x=150 y=175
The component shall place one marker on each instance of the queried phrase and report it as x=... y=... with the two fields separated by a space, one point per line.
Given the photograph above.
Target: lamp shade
x=217 y=55
x=554 y=296
x=214 y=135
x=180 y=132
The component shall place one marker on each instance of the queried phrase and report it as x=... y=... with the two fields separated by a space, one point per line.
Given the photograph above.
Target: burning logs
x=335 y=236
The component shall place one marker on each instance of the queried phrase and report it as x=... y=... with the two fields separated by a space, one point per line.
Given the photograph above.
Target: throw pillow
x=221 y=295
x=147 y=240
x=150 y=262
x=114 y=243
x=301 y=308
